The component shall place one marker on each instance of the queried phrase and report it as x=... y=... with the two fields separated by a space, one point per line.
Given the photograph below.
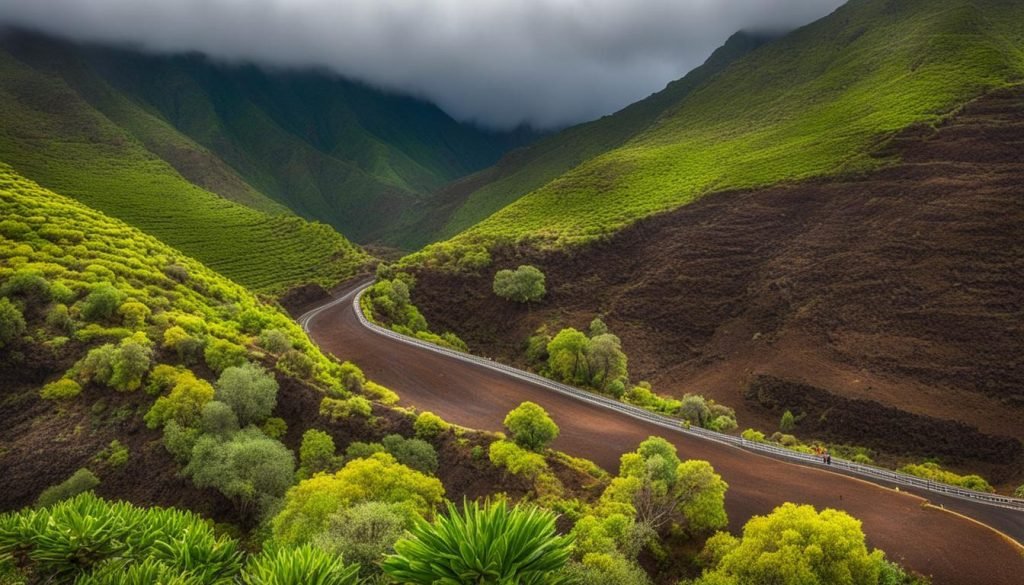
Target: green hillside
x=478 y=196
x=357 y=158
x=49 y=132
x=817 y=102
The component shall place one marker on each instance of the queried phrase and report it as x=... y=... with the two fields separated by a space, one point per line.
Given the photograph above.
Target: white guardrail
x=675 y=425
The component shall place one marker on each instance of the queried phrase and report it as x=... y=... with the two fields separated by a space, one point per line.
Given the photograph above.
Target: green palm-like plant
x=303 y=565
x=482 y=545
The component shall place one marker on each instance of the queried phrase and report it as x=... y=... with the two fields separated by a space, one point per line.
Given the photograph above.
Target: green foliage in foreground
x=816 y=102
x=91 y=541
x=796 y=545
x=491 y=544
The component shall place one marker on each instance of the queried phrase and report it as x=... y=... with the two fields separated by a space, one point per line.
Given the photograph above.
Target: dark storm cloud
x=500 y=62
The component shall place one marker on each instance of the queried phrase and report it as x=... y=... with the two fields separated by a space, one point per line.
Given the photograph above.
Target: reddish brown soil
x=904 y=287
x=934 y=542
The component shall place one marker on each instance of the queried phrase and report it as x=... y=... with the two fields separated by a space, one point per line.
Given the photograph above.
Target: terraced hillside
x=52 y=134
x=820 y=101
x=359 y=159
x=886 y=307
x=467 y=201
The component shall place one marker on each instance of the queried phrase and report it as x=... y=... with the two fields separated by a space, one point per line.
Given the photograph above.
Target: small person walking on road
x=828 y=458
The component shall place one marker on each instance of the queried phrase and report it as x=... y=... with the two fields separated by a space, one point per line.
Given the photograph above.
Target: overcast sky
x=497 y=62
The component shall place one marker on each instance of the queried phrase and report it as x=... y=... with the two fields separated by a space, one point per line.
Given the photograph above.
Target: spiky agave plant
x=491 y=544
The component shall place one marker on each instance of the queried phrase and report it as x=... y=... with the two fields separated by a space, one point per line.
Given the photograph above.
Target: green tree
x=567 y=356
x=275 y=341
x=250 y=469
x=667 y=492
x=218 y=419
x=134 y=314
x=80 y=481
x=597 y=568
x=130 y=363
x=490 y=544
x=794 y=545
x=788 y=422
x=530 y=426
x=415 y=453
x=522 y=285
x=597 y=327
x=101 y=303
x=316 y=454
x=694 y=408
x=249 y=390
x=606 y=360
x=188 y=348
x=378 y=478
x=12 y=323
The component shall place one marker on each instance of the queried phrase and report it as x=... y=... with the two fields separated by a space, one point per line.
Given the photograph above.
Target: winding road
x=962 y=543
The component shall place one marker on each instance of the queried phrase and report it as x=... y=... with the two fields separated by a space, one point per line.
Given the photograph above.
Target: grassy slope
x=814 y=103
x=50 y=133
x=531 y=168
x=329 y=149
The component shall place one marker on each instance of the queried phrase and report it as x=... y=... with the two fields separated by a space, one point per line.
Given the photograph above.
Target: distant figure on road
x=828 y=459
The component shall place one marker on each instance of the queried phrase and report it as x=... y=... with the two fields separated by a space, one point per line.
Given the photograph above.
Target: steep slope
x=900 y=289
x=55 y=255
x=817 y=102
x=327 y=148
x=53 y=135
x=472 y=199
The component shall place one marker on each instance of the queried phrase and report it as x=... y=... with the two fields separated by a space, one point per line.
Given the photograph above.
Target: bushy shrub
x=59 y=318
x=217 y=418
x=336 y=409
x=162 y=378
x=365 y=533
x=597 y=568
x=250 y=391
x=275 y=341
x=415 y=453
x=188 y=348
x=221 y=354
x=134 y=314
x=115 y=455
x=179 y=440
x=429 y=426
x=788 y=422
x=522 y=285
x=101 y=303
x=482 y=544
x=183 y=405
x=362 y=450
x=275 y=427
x=530 y=426
x=177 y=272
x=130 y=362
x=29 y=286
x=62 y=389
x=753 y=435
x=380 y=393
x=379 y=478
x=296 y=364
x=516 y=460
x=249 y=468
x=316 y=454
x=934 y=472
x=12 y=323
x=80 y=481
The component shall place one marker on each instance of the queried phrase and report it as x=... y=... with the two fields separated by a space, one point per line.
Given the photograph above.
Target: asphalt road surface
x=966 y=543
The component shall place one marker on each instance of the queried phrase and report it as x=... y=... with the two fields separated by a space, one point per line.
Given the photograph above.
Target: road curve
x=953 y=549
